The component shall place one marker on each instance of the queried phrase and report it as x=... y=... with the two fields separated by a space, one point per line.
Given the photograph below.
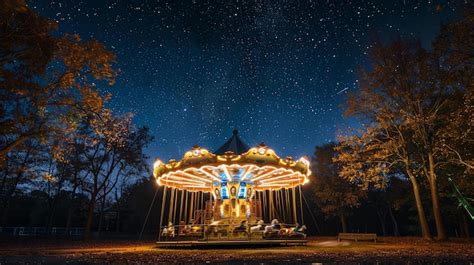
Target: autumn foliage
x=415 y=105
x=56 y=134
x=48 y=81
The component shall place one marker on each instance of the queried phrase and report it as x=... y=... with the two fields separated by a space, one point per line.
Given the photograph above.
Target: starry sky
x=279 y=71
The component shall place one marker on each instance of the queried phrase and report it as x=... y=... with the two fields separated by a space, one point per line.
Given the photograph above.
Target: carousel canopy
x=200 y=170
x=234 y=145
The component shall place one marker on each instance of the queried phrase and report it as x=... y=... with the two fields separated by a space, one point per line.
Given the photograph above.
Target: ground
x=319 y=250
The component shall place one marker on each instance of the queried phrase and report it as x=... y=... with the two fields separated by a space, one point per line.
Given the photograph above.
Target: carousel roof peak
x=234 y=144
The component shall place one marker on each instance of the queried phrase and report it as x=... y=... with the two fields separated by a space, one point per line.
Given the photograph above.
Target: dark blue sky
x=278 y=71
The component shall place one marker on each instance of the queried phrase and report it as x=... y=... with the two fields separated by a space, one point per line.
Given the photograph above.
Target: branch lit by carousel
x=222 y=194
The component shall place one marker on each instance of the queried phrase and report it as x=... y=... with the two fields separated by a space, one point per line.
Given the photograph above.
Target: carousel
x=236 y=194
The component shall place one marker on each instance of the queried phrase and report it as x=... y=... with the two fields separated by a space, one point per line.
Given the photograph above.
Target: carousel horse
x=242 y=227
x=169 y=230
x=258 y=227
x=273 y=229
x=297 y=231
x=186 y=230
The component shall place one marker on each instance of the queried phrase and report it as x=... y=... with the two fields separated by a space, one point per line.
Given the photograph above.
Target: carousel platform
x=232 y=243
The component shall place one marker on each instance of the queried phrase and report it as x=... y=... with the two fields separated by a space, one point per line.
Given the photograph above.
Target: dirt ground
x=318 y=250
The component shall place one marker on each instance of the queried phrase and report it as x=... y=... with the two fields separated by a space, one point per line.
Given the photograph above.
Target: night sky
x=278 y=71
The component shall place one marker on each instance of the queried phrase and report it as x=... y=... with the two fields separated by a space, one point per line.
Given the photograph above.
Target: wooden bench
x=357 y=237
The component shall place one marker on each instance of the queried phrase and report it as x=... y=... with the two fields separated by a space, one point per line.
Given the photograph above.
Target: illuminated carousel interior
x=235 y=193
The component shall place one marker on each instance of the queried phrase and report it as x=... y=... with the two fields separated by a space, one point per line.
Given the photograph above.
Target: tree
x=68 y=154
x=454 y=47
x=383 y=148
x=458 y=136
x=409 y=97
x=135 y=203
x=334 y=195
x=387 y=201
x=113 y=148
x=54 y=127
x=22 y=167
x=445 y=100
x=46 y=81
x=396 y=199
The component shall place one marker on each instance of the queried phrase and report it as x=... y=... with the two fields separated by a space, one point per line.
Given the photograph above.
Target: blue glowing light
x=242 y=190
x=224 y=190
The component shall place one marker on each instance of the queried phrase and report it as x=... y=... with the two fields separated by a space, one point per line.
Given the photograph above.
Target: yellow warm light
x=157 y=163
x=199 y=169
x=204 y=176
x=273 y=171
x=247 y=172
x=203 y=170
x=283 y=181
x=286 y=176
x=231 y=158
x=226 y=172
x=190 y=183
x=194 y=176
x=305 y=161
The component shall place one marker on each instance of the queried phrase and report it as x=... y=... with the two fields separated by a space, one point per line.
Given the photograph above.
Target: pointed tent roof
x=234 y=144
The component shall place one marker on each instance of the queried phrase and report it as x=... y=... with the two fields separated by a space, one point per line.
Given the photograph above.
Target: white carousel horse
x=258 y=227
x=169 y=230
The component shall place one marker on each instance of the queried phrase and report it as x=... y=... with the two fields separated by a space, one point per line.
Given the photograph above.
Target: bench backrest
x=357 y=235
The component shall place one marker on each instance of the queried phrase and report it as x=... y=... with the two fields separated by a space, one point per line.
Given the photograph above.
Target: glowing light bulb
x=305 y=161
x=157 y=163
x=196 y=152
x=261 y=150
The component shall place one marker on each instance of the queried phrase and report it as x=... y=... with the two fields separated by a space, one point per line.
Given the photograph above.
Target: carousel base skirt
x=243 y=243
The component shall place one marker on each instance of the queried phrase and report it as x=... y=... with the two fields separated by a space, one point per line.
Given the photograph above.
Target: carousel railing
x=252 y=232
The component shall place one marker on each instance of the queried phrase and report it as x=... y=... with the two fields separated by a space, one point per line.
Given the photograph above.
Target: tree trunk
x=71 y=209
x=69 y=218
x=50 y=219
x=4 y=213
x=9 y=147
x=117 y=221
x=382 y=216
x=441 y=234
x=4 y=180
x=465 y=226
x=343 y=223
x=396 y=232
x=90 y=217
x=99 y=227
x=101 y=215
x=53 y=207
x=118 y=205
x=4 y=201
x=8 y=197
x=425 y=230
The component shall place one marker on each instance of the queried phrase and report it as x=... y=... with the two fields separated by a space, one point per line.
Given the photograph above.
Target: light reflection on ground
x=319 y=250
